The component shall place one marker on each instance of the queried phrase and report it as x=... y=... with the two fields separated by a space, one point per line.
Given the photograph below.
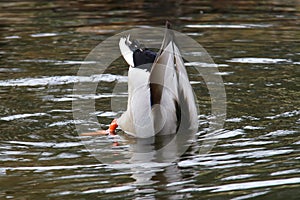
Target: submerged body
x=160 y=97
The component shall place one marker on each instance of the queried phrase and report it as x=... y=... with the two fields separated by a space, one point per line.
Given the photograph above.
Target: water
x=255 y=45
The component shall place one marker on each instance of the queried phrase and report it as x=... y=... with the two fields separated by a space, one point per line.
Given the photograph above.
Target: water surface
x=255 y=46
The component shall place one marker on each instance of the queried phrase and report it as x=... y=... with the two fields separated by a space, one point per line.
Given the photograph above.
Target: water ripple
x=246 y=185
x=48 y=144
x=228 y=25
x=61 y=80
x=50 y=168
x=22 y=116
x=285 y=114
x=259 y=60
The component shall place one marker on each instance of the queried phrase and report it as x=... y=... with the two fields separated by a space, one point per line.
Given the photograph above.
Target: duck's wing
x=163 y=69
x=189 y=114
x=170 y=88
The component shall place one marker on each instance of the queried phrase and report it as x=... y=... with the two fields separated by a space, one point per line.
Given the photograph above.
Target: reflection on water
x=255 y=47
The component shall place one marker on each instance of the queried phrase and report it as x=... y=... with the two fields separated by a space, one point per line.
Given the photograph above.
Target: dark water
x=255 y=45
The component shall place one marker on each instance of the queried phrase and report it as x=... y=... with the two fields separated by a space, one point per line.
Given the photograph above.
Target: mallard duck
x=160 y=97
